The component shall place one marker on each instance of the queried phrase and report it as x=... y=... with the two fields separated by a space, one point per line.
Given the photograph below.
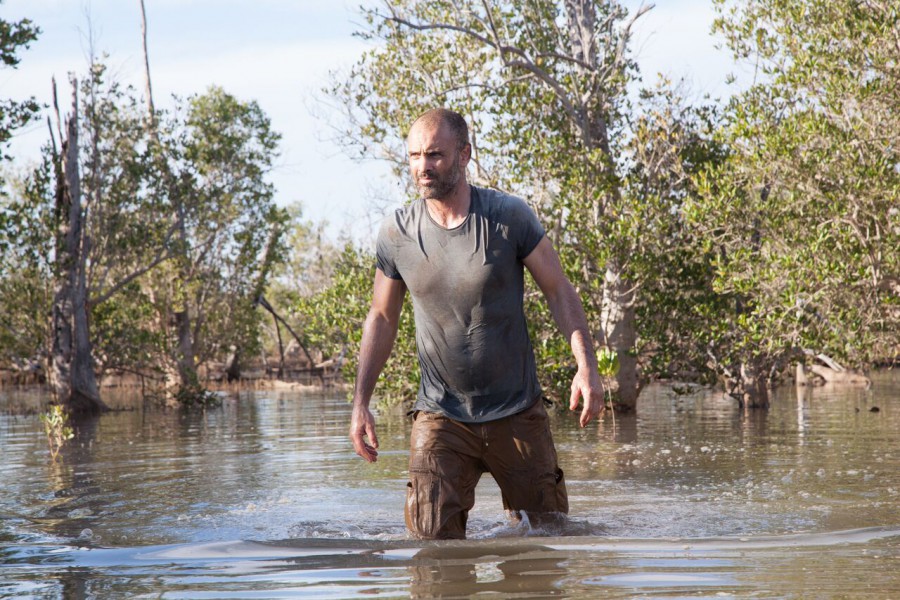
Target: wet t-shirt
x=467 y=288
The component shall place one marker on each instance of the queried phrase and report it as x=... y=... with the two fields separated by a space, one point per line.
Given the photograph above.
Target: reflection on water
x=689 y=498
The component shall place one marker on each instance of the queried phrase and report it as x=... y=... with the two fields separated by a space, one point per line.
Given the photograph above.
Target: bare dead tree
x=71 y=365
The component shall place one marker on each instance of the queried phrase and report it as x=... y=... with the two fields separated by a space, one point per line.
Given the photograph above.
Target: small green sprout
x=608 y=366
x=607 y=362
x=56 y=426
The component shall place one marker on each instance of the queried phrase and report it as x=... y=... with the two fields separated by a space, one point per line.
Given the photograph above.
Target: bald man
x=461 y=252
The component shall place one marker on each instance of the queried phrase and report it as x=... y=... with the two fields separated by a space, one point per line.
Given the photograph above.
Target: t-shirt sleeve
x=385 y=255
x=529 y=229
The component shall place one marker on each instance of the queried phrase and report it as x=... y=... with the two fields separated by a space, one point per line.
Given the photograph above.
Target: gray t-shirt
x=467 y=286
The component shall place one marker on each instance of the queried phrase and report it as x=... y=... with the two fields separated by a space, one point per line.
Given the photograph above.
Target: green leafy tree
x=26 y=288
x=14 y=113
x=131 y=226
x=802 y=220
x=672 y=141
x=23 y=293
x=308 y=268
x=86 y=224
x=218 y=152
x=331 y=319
x=131 y=214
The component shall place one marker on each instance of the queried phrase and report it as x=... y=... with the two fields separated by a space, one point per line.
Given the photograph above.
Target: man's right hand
x=362 y=425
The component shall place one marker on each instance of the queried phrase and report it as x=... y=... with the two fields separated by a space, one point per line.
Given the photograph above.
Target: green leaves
x=331 y=320
x=56 y=428
x=14 y=114
x=799 y=216
x=607 y=362
x=200 y=172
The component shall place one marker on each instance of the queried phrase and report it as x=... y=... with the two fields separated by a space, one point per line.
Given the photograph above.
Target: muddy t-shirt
x=467 y=286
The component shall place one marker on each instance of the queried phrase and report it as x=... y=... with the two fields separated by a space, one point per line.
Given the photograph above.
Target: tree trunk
x=184 y=375
x=753 y=386
x=753 y=389
x=233 y=369
x=184 y=356
x=619 y=334
x=233 y=365
x=148 y=87
x=261 y=301
x=618 y=321
x=71 y=372
x=280 y=348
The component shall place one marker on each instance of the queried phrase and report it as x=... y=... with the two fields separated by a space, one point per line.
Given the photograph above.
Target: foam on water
x=300 y=547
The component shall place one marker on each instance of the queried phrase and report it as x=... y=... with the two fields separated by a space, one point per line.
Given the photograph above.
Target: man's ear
x=465 y=154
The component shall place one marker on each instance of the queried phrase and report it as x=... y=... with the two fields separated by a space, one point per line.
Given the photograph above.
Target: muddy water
x=264 y=498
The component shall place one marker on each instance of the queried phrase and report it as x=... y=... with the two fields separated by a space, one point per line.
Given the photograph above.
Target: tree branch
x=164 y=254
x=524 y=62
x=151 y=111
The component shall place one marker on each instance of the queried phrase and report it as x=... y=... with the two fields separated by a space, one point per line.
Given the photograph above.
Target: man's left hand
x=587 y=386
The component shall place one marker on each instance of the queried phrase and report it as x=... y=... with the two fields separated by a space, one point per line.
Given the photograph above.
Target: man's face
x=434 y=160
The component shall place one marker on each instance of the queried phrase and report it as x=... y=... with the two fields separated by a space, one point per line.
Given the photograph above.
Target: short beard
x=441 y=187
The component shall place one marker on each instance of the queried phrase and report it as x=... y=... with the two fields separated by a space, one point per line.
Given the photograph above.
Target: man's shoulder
x=492 y=195
x=503 y=207
x=410 y=208
x=401 y=217
x=498 y=202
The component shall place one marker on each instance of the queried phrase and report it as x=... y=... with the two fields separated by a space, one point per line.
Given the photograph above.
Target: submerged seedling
x=608 y=366
x=56 y=426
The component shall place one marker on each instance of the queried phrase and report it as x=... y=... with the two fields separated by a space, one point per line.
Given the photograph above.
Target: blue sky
x=279 y=53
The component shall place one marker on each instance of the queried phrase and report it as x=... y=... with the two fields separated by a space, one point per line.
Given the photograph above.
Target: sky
x=280 y=53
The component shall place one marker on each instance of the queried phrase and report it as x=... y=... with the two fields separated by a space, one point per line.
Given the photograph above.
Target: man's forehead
x=429 y=134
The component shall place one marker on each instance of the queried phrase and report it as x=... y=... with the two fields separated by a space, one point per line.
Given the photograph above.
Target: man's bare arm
x=379 y=333
x=565 y=305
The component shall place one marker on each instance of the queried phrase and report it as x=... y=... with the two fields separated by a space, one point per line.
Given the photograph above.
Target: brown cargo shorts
x=447 y=458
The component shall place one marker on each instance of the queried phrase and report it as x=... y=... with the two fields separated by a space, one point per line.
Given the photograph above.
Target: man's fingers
x=592 y=407
x=585 y=415
x=573 y=399
x=363 y=449
x=370 y=433
x=363 y=426
x=358 y=443
x=587 y=387
x=371 y=454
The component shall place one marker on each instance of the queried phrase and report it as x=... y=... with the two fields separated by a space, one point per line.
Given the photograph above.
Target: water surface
x=264 y=498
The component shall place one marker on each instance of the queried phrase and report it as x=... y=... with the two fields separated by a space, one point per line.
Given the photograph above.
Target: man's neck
x=451 y=211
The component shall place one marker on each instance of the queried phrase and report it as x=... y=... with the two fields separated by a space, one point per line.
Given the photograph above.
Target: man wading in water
x=460 y=251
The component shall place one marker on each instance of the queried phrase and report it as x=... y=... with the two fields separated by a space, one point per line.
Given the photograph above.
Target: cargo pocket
x=422 y=502
x=551 y=493
x=562 y=497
